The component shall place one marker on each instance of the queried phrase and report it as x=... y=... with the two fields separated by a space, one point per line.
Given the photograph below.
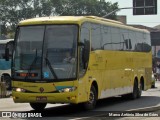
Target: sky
x=146 y=20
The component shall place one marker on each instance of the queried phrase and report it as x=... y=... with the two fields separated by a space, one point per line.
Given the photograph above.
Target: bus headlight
x=68 y=89
x=19 y=90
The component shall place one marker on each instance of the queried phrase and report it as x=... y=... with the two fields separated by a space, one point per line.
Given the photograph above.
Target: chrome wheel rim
x=91 y=97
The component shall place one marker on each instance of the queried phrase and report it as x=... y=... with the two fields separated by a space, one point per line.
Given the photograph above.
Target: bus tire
x=92 y=99
x=7 y=80
x=38 y=106
x=139 y=90
x=134 y=94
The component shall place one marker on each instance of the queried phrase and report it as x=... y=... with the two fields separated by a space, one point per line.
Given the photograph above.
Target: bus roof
x=77 y=20
x=52 y=20
x=5 y=41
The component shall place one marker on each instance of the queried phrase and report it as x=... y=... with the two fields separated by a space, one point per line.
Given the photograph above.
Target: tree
x=84 y=7
x=13 y=11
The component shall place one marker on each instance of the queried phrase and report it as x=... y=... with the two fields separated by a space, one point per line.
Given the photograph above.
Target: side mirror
x=86 y=51
x=130 y=44
x=126 y=43
x=7 y=54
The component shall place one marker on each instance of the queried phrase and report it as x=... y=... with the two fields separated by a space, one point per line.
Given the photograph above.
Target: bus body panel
x=117 y=76
x=48 y=90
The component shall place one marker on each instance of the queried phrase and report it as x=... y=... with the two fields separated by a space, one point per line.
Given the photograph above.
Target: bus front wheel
x=92 y=99
x=38 y=106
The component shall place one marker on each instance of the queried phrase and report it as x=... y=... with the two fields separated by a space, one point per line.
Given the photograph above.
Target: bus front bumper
x=20 y=97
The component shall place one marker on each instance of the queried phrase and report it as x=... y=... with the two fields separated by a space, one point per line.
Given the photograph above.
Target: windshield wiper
x=30 y=67
x=51 y=69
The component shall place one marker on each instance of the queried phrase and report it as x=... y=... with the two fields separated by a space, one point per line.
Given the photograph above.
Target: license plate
x=41 y=98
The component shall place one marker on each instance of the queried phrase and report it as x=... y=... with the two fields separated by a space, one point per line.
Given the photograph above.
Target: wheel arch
x=94 y=83
x=4 y=74
x=136 y=79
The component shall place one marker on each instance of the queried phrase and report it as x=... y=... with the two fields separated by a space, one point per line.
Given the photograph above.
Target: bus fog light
x=19 y=89
x=68 y=89
x=71 y=98
x=15 y=97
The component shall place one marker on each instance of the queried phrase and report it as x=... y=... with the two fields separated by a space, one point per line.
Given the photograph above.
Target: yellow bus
x=79 y=59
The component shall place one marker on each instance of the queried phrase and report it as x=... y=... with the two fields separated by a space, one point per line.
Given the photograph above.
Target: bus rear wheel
x=92 y=99
x=135 y=93
x=38 y=106
x=139 y=90
x=7 y=81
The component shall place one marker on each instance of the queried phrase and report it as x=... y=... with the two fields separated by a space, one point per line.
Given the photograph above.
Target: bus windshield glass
x=45 y=52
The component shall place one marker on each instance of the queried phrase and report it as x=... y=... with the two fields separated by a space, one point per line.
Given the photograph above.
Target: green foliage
x=84 y=7
x=13 y=11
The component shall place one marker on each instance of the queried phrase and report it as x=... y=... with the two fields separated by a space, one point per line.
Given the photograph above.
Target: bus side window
x=96 y=37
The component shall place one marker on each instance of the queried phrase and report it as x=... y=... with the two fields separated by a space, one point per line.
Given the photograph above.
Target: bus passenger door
x=82 y=74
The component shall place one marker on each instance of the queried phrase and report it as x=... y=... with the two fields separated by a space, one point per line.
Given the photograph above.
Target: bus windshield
x=45 y=52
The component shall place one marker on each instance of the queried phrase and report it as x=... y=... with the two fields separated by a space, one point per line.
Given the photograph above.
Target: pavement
x=151 y=105
x=155 y=107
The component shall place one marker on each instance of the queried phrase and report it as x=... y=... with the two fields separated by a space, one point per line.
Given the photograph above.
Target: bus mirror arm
x=6 y=54
x=84 y=58
x=85 y=54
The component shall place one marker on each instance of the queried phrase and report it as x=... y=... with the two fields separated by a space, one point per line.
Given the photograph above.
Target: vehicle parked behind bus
x=5 y=66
